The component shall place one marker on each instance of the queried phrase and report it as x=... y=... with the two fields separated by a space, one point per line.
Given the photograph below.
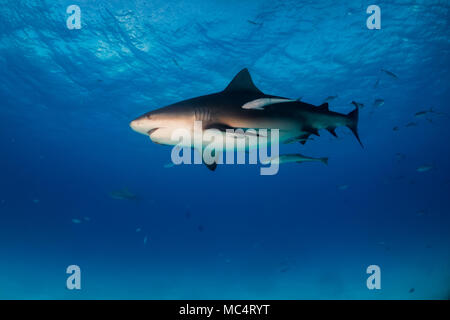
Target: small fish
x=378 y=102
x=411 y=290
x=297 y=158
x=393 y=75
x=395 y=128
x=138 y=229
x=411 y=124
x=169 y=165
x=87 y=219
x=76 y=221
x=201 y=228
x=255 y=23
x=423 y=113
x=329 y=98
x=296 y=139
x=145 y=239
x=400 y=156
x=123 y=194
x=36 y=200
x=343 y=187
x=176 y=62
x=376 y=83
x=424 y=168
x=421 y=213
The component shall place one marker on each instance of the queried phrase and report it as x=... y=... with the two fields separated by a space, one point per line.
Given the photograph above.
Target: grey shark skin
x=243 y=105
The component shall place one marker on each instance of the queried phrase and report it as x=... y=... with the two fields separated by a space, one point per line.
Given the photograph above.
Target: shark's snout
x=134 y=124
x=139 y=125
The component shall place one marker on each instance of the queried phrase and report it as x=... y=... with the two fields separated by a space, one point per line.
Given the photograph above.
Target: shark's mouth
x=149 y=132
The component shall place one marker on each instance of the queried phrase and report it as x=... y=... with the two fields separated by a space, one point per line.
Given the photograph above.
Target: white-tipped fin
x=259 y=104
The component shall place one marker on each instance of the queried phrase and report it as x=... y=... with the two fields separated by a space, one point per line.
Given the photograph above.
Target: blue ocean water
x=68 y=155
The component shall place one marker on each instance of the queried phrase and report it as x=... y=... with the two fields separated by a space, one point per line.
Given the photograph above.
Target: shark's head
x=160 y=124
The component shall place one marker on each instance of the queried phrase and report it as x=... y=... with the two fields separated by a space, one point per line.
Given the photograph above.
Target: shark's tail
x=353 y=123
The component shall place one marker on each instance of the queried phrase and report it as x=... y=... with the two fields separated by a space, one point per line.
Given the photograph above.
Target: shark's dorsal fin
x=242 y=82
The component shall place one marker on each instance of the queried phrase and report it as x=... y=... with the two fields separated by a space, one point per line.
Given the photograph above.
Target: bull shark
x=241 y=105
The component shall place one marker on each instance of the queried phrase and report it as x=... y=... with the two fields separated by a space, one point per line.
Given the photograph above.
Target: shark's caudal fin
x=353 y=125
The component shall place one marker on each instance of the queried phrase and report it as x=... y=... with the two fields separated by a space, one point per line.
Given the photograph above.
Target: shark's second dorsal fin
x=242 y=82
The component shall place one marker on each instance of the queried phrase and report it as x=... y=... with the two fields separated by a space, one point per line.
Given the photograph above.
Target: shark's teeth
x=259 y=104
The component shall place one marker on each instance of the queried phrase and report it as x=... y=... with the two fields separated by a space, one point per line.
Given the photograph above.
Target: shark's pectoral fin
x=212 y=166
x=210 y=160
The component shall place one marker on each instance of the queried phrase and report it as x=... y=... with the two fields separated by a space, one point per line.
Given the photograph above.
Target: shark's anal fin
x=242 y=82
x=323 y=107
x=332 y=131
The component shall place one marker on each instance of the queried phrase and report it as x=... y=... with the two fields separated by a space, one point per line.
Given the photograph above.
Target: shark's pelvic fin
x=304 y=138
x=313 y=131
x=242 y=82
x=260 y=104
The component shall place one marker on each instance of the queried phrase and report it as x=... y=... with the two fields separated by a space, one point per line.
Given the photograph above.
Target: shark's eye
x=149 y=116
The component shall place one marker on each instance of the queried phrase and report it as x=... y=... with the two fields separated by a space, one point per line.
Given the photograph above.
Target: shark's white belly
x=238 y=140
